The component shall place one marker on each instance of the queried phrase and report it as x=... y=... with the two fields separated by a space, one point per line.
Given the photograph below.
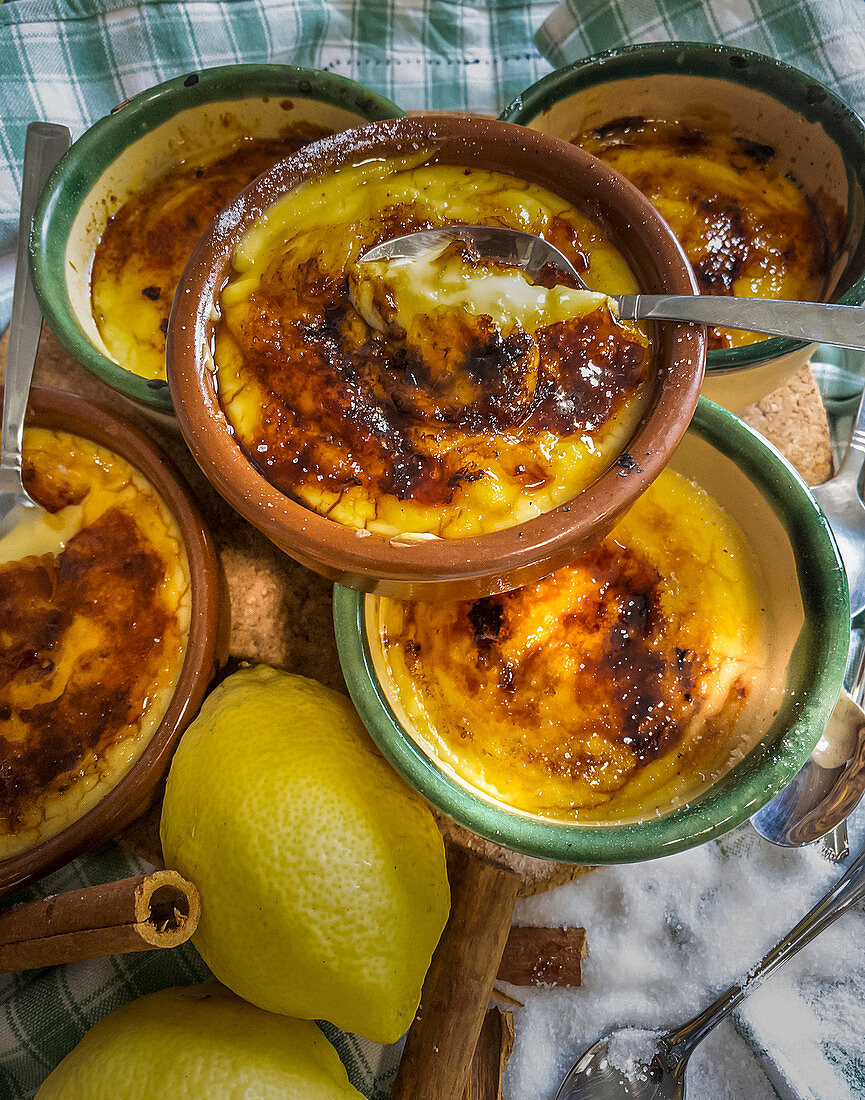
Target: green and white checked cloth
x=72 y=61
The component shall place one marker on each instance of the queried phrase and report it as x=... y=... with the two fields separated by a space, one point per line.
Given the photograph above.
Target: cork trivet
x=281 y=613
x=794 y=420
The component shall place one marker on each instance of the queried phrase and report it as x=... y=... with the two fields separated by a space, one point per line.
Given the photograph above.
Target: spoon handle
x=45 y=145
x=844 y=894
x=816 y=322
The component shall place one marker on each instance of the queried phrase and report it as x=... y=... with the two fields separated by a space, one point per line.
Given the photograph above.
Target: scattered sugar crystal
x=631 y=1050
x=666 y=937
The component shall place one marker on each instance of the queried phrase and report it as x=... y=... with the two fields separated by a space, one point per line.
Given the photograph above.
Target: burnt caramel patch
x=159 y=228
x=346 y=406
x=735 y=215
x=106 y=582
x=630 y=679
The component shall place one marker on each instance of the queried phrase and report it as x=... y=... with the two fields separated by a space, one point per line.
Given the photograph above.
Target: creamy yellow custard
x=479 y=401
x=145 y=245
x=748 y=228
x=94 y=618
x=615 y=688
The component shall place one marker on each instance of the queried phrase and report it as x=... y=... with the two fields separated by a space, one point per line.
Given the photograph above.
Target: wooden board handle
x=441 y=1042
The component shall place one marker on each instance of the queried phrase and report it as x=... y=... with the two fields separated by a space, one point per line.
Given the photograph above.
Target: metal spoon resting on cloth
x=817 y=322
x=45 y=145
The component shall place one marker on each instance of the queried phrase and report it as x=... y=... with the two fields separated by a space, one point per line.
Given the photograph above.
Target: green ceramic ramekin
x=804 y=589
x=139 y=141
x=817 y=137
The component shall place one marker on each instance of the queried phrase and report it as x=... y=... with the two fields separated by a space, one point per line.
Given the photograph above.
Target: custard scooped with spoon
x=446 y=397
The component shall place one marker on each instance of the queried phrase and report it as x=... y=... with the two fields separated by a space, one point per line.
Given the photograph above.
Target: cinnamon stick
x=543 y=956
x=441 y=1042
x=491 y=1055
x=134 y=914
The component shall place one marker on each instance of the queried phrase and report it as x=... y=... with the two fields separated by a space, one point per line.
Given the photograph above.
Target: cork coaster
x=281 y=613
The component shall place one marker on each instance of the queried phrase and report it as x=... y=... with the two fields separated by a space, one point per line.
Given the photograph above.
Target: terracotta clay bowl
x=815 y=135
x=206 y=649
x=137 y=143
x=440 y=568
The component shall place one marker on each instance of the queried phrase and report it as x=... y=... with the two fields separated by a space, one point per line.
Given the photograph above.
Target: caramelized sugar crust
x=108 y=577
x=348 y=406
x=143 y=251
x=451 y=424
x=747 y=229
x=94 y=618
x=605 y=640
x=610 y=689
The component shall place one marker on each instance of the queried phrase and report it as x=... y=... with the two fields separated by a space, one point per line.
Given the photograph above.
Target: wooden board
x=281 y=613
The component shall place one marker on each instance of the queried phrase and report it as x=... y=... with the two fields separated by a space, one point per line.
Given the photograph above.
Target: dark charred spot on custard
x=340 y=413
x=618 y=128
x=758 y=152
x=691 y=140
x=109 y=575
x=719 y=268
x=486 y=618
x=589 y=367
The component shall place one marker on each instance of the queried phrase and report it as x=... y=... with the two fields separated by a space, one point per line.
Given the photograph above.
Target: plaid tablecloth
x=70 y=62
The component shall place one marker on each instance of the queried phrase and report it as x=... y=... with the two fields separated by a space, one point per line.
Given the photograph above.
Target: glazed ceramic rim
x=72 y=180
x=388 y=564
x=819 y=658
x=206 y=646
x=795 y=89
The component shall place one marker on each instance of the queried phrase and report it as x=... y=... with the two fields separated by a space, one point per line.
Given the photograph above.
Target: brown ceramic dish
x=456 y=568
x=206 y=649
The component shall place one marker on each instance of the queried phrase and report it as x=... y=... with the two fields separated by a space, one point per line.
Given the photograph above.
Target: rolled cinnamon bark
x=142 y=913
x=491 y=1056
x=543 y=956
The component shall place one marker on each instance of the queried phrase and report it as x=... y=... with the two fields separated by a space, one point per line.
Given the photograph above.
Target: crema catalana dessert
x=444 y=397
x=615 y=688
x=142 y=252
x=747 y=226
x=94 y=618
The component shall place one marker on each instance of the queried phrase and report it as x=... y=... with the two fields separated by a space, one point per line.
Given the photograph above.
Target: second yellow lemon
x=322 y=875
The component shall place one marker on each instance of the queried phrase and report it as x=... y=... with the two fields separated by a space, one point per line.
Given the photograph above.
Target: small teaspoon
x=816 y=322
x=44 y=146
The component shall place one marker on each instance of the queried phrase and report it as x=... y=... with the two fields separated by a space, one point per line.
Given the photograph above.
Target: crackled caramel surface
x=92 y=636
x=477 y=424
x=748 y=228
x=604 y=691
x=142 y=253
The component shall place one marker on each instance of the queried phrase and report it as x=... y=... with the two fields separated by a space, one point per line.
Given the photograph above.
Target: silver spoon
x=45 y=145
x=818 y=322
x=663 y=1077
x=830 y=785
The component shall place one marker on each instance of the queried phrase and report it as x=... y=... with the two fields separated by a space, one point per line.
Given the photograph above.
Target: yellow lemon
x=322 y=875
x=199 y=1043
